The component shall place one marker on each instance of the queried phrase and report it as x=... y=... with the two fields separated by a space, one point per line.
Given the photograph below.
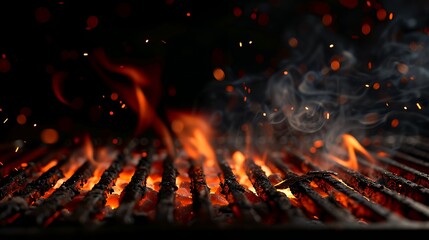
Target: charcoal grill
x=42 y=194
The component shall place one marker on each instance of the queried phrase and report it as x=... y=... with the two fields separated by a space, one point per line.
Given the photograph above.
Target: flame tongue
x=351 y=145
x=142 y=94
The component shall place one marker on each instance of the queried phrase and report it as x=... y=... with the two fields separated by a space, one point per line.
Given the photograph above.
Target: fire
x=237 y=166
x=351 y=144
x=194 y=133
x=142 y=94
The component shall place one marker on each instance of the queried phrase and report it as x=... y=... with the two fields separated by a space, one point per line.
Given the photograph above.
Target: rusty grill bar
x=324 y=194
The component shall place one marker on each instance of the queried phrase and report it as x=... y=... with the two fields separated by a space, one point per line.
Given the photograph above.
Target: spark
x=5 y=120
x=387 y=104
x=250 y=42
x=264 y=114
x=405 y=107
x=306 y=108
x=85 y=54
x=35 y=125
x=285 y=73
x=123 y=105
x=419 y=106
x=328 y=115
x=391 y=16
x=240 y=44
x=163 y=41
x=16 y=149
x=147 y=40
x=245 y=99
x=331 y=45
x=188 y=14
x=367 y=85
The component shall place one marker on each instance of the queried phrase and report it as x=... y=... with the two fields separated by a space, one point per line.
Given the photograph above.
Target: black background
x=187 y=48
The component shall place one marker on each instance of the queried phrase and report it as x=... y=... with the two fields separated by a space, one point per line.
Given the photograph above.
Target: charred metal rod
x=60 y=197
x=372 y=211
x=21 y=200
x=35 y=155
x=134 y=191
x=404 y=171
x=407 y=159
x=378 y=193
x=419 y=152
x=21 y=175
x=327 y=210
x=167 y=193
x=278 y=201
x=95 y=200
x=395 y=182
x=234 y=193
x=15 y=180
x=200 y=193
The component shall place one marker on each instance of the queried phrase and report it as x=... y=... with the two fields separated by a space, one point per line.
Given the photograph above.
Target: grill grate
x=145 y=187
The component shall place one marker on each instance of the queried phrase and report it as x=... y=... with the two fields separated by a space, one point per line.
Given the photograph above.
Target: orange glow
x=391 y=16
x=229 y=88
x=394 y=123
x=88 y=149
x=237 y=166
x=219 y=74
x=49 y=136
x=369 y=65
x=48 y=166
x=402 y=68
x=351 y=144
x=327 y=19
x=121 y=182
x=376 y=86
x=318 y=144
x=92 y=22
x=293 y=42
x=237 y=11
x=381 y=14
x=21 y=119
x=114 y=96
x=382 y=154
x=335 y=65
x=142 y=96
x=194 y=133
x=366 y=28
x=57 y=86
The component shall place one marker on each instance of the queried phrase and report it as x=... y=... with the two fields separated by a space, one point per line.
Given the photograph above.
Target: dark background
x=41 y=38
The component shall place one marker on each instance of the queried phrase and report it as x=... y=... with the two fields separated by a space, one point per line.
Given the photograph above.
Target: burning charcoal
x=96 y=198
x=200 y=193
x=235 y=193
x=60 y=197
x=15 y=180
x=308 y=177
x=33 y=191
x=167 y=193
x=134 y=191
x=277 y=200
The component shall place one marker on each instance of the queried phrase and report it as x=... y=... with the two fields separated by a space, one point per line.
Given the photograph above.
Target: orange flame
x=351 y=144
x=88 y=149
x=57 y=86
x=194 y=133
x=237 y=166
x=142 y=94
